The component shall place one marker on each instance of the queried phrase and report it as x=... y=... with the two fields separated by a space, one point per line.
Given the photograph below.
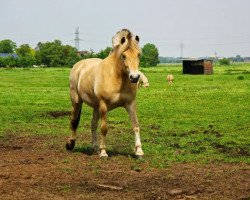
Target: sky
x=203 y=27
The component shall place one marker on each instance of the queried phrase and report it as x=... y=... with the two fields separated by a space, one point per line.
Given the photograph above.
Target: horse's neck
x=117 y=66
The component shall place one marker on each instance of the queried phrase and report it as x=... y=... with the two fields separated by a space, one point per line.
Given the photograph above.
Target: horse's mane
x=123 y=40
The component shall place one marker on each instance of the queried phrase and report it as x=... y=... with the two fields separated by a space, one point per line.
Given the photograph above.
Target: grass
x=201 y=118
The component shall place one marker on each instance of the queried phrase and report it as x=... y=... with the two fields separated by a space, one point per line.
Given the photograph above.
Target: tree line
x=56 y=54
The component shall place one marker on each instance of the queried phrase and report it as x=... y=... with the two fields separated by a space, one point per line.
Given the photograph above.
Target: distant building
x=82 y=53
x=247 y=59
x=4 y=55
x=197 y=66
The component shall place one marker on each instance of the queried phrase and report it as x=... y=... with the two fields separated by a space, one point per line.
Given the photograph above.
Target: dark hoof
x=70 y=145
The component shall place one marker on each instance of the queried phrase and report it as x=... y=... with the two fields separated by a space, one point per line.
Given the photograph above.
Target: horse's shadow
x=88 y=150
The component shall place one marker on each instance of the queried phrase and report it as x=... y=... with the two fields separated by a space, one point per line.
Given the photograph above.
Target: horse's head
x=128 y=50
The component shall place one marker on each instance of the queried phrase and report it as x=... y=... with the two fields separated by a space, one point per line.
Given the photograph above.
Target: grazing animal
x=170 y=79
x=107 y=84
x=143 y=81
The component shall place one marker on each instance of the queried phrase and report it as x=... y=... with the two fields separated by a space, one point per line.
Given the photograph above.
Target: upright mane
x=124 y=40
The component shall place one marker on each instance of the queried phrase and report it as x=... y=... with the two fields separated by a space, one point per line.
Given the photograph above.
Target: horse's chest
x=116 y=93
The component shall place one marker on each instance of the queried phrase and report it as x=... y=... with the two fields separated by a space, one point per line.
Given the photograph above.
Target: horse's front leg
x=94 y=124
x=131 y=108
x=104 y=128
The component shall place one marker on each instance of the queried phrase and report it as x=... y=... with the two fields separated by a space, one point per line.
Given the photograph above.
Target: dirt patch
x=56 y=114
x=40 y=168
x=233 y=151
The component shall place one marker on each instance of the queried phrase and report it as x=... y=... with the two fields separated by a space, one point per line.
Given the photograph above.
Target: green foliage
x=27 y=61
x=149 y=55
x=9 y=62
x=104 y=53
x=24 y=61
x=26 y=56
x=54 y=54
x=7 y=46
x=224 y=61
x=23 y=50
x=101 y=54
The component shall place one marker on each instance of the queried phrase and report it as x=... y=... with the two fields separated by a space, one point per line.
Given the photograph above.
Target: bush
x=26 y=61
x=9 y=62
x=224 y=61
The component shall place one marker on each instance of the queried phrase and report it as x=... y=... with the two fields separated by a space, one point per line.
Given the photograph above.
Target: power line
x=200 y=38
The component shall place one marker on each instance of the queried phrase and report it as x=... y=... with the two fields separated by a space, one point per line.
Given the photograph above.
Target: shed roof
x=3 y=55
x=196 y=59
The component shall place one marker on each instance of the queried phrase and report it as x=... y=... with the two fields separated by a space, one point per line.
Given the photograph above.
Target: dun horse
x=105 y=85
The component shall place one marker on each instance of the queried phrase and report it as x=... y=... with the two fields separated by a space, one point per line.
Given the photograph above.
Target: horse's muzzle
x=134 y=78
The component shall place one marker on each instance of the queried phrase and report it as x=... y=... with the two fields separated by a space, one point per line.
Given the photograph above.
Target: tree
x=104 y=53
x=7 y=46
x=224 y=61
x=26 y=56
x=23 y=50
x=54 y=54
x=238 y=58
x=9 y=62
x=149 y=55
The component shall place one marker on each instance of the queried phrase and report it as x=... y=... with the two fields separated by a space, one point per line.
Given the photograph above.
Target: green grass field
x=201 y=118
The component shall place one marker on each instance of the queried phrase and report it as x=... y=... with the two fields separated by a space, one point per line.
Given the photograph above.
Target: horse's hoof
x=70 y=145
x=104 y=156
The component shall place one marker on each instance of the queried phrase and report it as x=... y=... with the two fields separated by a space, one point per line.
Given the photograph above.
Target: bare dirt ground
x=34 y=168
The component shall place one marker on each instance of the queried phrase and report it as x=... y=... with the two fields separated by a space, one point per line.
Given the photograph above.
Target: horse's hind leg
x=94 y=124
x=75 y=118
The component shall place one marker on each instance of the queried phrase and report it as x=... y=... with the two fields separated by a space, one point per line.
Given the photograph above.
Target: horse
x=143 y=81
x=170 y=79
x=105 y=85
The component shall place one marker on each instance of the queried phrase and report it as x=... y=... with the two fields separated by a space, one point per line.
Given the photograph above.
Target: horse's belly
x=86 y=92
x=89 y=99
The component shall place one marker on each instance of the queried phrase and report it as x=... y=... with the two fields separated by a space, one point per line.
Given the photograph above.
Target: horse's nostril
x=131 y=77
x=136 y=79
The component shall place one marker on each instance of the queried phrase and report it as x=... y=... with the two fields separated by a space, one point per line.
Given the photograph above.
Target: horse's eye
x=124 y=57
x=139 y=55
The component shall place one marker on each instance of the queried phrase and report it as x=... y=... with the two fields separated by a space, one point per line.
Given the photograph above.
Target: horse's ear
x=123 y=40
x=137 y=38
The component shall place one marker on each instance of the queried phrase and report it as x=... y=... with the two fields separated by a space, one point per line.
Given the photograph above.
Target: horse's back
x=75 y=71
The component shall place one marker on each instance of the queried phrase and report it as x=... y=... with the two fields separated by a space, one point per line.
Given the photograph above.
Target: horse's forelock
x=116 y=40
x=120 y=46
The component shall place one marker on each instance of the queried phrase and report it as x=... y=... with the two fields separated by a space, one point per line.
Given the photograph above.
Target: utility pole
x=215 y=57
x=77 y=39
x=181 y=48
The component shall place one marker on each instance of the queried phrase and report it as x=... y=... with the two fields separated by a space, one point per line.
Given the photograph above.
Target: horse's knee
x=104 y=129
